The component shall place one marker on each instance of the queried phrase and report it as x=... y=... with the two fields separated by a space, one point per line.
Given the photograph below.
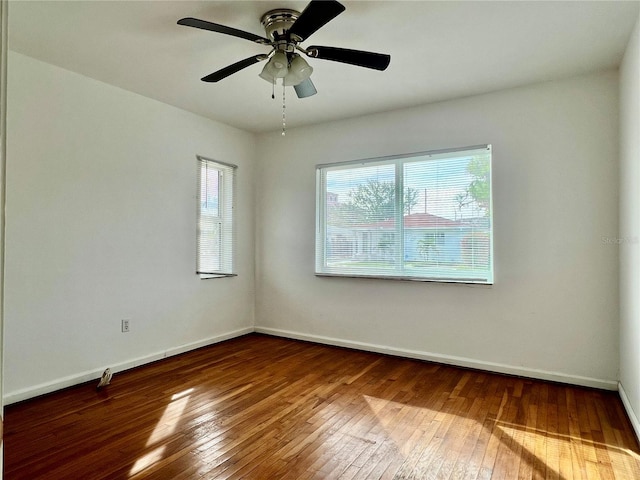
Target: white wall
x=630 y=228
x=553 y=311
x=100 y=227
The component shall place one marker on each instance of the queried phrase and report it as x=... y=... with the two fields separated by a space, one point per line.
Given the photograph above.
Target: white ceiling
x=439 y=50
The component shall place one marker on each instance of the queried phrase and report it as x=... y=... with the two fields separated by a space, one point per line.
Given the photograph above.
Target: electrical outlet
x=125 y=326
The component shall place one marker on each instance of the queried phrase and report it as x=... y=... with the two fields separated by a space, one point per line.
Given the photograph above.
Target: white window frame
x=224 y=219
x=322 y=267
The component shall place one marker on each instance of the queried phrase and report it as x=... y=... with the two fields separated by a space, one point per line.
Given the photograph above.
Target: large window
x=215 y=219
x=423 y=216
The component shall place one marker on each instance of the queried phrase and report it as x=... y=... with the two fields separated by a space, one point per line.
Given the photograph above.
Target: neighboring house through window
x=215 y=230
x=423 y=216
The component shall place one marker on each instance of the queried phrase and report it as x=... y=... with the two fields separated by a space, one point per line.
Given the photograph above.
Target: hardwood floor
x=265 y=408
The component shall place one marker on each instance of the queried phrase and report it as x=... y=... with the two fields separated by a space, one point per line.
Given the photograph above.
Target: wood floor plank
x=266 y=408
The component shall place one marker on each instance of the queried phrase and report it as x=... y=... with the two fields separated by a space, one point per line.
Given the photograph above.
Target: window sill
x=209 y=276
x=462 y=281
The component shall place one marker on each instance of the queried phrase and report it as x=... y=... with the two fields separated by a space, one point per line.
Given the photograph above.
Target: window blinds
x=215 y=232
x=423 y=216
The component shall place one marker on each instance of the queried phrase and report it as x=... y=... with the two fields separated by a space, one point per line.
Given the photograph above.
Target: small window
x=215 y=230
x=423 y=216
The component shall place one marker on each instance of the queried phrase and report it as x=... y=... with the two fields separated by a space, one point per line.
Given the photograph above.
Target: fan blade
x=305 y=89
x=377 y=61
x=231 y=69
x=214 y=27
x=317 y=14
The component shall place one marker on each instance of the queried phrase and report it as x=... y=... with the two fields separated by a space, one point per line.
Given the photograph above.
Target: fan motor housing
x=277 y=22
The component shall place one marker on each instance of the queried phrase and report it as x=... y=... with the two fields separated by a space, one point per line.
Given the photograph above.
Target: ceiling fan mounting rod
x=277 y=22
x=284 y=46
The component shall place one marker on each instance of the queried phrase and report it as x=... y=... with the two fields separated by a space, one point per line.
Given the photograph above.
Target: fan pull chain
x=273 y=89
x=284 y=115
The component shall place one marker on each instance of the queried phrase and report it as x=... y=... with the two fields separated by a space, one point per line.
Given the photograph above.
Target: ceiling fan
x=285 y=30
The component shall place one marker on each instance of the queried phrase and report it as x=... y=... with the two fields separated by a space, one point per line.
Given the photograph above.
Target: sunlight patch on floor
x=164 y=428
x=543 y=452
x=171 y=417
x=539 y=452
x=565 y=446
x=565 y=438
x=147 y=460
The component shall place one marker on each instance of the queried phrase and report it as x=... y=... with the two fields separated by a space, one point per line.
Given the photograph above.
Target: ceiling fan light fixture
x=290 y=80
x=266 y=75
x=299 y=71
x=278 y=65
x=305 y=89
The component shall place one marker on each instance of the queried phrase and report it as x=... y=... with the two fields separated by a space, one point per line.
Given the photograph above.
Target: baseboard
x=58 y=384
x=630 y=412
x=71 y=380
x=447 y=359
